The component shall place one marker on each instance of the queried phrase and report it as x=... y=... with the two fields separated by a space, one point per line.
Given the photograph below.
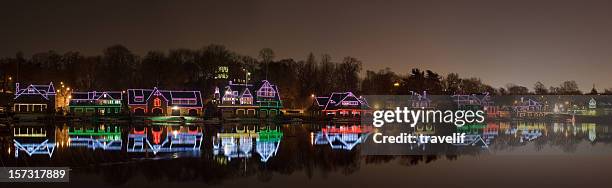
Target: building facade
x=248 y=100
x=480 y=102
x=341 y=104
x=34 y=98
x=164 y=102
x=529 y=108
x=96 y=103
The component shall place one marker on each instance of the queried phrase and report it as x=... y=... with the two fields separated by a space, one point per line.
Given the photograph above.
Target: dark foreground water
x=301 y=155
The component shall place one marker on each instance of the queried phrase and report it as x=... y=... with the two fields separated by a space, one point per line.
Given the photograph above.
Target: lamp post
x=246 y=77
x=63 y=96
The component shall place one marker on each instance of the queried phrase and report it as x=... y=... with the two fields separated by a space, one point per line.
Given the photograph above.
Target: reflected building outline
x=343 y=137
x=475 y=134
x=33 y=141
x=103 y=138
x=267 y=143
x=179 y=140
x=239 y=144
x=490 y=132
x=529 y=132
x=235 y=145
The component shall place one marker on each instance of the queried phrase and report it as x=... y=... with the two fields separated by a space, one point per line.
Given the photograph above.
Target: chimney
x=16 y=88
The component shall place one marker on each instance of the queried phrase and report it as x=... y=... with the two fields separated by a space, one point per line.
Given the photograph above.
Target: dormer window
x=138 y=96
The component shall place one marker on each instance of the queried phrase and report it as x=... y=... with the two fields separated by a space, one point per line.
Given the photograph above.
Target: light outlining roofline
x=330 y=98
x=158 y=91
x=46 y=95
x=107 y=93
x=348 y=93
x=197 y=94
x=319 y=104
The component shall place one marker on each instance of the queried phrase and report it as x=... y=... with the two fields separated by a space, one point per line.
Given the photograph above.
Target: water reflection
x=479 y=134
x=342 y=137
x=242 y=141
x=239 y=143
x=267 y=143
x=33 y=141
x=120 y=152
x=165 y=139
x=105 y=138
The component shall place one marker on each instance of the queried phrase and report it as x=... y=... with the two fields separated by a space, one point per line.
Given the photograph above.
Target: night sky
x=502 y=42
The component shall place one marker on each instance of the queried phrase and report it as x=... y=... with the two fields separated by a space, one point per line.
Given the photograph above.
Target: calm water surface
x=307 y=155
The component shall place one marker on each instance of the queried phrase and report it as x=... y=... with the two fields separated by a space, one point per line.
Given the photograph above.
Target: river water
x=509 y=154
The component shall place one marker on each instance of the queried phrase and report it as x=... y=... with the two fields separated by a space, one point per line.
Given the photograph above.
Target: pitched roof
x=322 y=101
x=43 y=90
x=335 y=100
x=168 y=95
x=95 y=95
x=241 y=88
x=250 y=89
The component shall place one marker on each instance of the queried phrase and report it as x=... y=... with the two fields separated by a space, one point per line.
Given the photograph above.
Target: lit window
x=246 y=100
x=156 y=102
x=266 y=92
x=350 y=103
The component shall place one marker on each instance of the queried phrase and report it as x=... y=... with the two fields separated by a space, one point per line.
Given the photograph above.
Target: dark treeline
x=117 y=68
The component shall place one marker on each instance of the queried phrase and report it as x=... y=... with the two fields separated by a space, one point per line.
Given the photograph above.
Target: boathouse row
x=249 y=100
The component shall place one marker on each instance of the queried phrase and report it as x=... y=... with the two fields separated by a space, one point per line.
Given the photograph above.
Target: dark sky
x=513 y=41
